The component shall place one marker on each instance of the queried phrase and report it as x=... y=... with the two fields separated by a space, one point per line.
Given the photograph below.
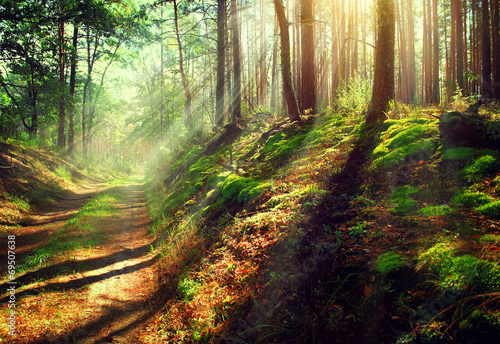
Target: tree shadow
x=71 y=267
x=129 y=315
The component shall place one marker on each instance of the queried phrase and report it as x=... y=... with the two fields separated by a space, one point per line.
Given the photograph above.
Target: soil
x=101 y=295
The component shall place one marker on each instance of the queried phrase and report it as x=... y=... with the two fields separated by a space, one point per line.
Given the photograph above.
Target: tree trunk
x=61 y=136
x=236 y=62
x=308 y=89
x=383 y=82
x=459 y=46
x=185 y=84
x=221 y=59
x=495 y=37
x=72 y=86
x=435 y=56
x=291 y=100
x=486 y=91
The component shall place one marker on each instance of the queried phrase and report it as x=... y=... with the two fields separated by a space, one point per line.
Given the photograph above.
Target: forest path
x=99 y=295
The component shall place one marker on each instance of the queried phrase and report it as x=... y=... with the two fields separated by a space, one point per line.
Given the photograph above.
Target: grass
x=83 y=230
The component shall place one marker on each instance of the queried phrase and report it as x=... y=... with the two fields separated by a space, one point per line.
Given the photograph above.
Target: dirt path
x=102 y=295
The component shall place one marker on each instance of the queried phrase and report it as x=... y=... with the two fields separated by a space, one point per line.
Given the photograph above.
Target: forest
x=253 y=171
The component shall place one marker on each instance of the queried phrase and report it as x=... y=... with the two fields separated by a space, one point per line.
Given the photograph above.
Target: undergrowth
x=263 y=251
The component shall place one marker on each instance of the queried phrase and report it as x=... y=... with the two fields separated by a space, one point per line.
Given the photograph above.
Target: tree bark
x=61 y=136
x=236 y=62
x=185 y=83
x=308 y=89
x=383 y=82
x=221 y=59
x=72 y=86
x=459 y=46
x=435 y=56
x=486 y=90
x=495 y=37
x=291 y=100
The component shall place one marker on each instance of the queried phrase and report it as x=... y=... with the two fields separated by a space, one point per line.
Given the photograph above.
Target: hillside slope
x=275 y=247
x=31 y=178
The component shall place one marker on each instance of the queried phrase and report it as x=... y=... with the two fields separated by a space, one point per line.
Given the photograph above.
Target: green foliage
x=187 y=288
x=354 y=96
x=437 y=210
x=470 y=199
x=19 y=202
x=457 y=272
x=63 y=172
x=405 y=139
x=481 y=326
x=389 y=262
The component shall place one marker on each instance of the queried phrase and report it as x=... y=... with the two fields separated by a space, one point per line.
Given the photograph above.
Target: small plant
x=63 y=172
x=187 y=288
x=354 y=96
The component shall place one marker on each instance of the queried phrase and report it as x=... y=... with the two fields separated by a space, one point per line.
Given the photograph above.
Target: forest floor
x=100 y=292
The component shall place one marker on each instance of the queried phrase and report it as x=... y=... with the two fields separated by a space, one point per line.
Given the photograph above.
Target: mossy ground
x=264 y=251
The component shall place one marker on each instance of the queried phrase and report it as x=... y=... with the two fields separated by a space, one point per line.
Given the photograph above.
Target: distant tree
x=185 y=82
x=383 y=78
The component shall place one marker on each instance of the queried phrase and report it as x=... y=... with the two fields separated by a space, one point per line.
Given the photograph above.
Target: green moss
x=491 y=209
x=459 y=153
x=480 y=168
x=490 y=238
x=457 y=272
x=234 y=184
x=470 y=199
x=252 y=190
x=405 y=139
x=389 y=262
x=403 y=203
x=437 y=210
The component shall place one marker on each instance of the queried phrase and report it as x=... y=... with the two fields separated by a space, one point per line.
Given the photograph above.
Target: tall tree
x=221 y=60
x=236 y=98
x=308 y=89
x=383 y=78
x=435 y=53
x=495 y=38
x=184 y=79
x=459 y=45
x=291 y=100
x=72 y=88
x=486 y=90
